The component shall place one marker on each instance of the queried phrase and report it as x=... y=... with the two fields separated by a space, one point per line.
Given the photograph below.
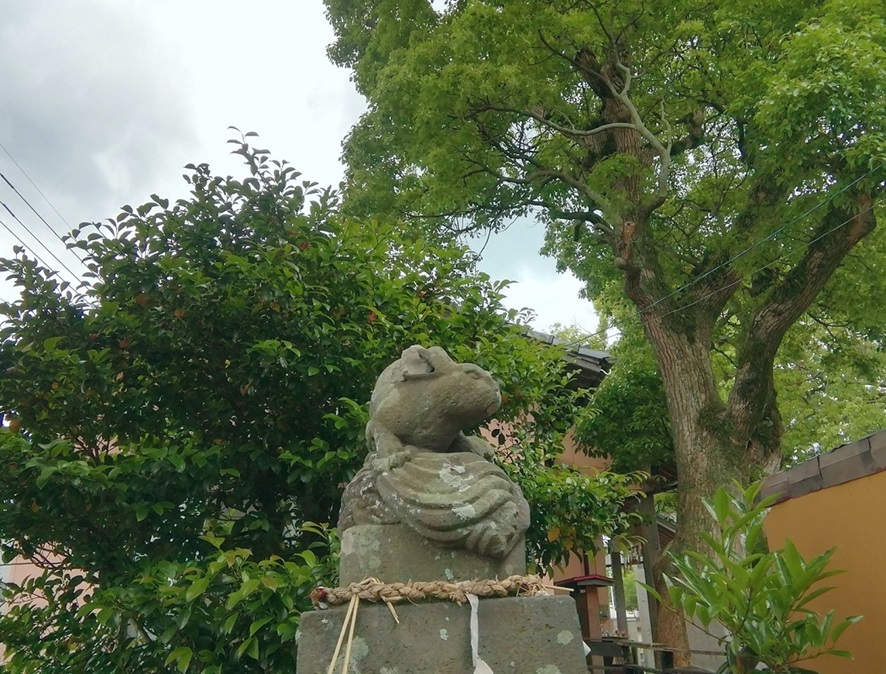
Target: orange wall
x=589 y=465
x=849 y=517
x=22 y=570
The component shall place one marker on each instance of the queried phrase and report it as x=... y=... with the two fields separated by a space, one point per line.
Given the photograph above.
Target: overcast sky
x=102 y=102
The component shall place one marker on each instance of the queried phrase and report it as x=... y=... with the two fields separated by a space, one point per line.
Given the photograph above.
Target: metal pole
x=618 y=592
x=651 y=550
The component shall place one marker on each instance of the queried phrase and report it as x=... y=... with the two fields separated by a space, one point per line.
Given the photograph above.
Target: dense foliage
x=177 y=437
x=829 y=377
x=629 y=420
x=715 y=163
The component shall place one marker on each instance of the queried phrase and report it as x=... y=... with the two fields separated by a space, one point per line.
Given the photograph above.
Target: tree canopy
x=712 y=164
x=178 y=432
x=715 y=163
x=828 y=374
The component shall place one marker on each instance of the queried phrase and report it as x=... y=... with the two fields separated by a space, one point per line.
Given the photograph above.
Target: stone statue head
x=426 y=399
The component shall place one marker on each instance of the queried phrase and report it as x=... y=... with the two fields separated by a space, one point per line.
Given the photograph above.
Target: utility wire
x=760 y=242
x=50 y=227
x=24 y=245
x=34 y=185
x=770 y=264
x=37 y=239
x=649 y=306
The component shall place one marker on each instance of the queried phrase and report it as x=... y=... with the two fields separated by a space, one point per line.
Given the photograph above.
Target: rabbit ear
x=437 y=356
x=415 y=363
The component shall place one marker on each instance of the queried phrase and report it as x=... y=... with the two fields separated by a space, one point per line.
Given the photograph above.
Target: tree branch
x=565 y=130
x=555 y=51
x=542 y=172
x=840 y=230
x=664 y=152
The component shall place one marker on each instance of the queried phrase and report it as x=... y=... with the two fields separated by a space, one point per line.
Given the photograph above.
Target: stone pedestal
x=438 y=488
x=395 y=553
x=517 y=635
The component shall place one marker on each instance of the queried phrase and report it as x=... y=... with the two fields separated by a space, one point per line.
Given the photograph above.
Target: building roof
x=849 y=462
x=589 y=365
x=589 y=580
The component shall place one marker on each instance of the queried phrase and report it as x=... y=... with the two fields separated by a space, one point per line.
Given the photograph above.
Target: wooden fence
x=620 y=656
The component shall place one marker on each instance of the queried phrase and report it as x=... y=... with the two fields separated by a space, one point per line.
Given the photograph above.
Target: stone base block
x=518 y=635
x=394 y=553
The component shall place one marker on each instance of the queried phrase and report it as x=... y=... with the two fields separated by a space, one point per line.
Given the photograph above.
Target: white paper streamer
x=586 y=647
x=480 y=667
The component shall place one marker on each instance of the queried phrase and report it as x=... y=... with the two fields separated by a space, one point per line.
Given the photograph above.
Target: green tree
x=628 y=417
x=630 y=585
x=177 y=437
x=715 y=161
x=828 y=374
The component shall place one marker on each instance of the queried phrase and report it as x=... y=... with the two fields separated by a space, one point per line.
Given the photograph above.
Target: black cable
x=769 y=264
x=24 y=245
x=45 y=247
x=34 y=185
x=50 y=227
x=760 y=242
x=645 y=309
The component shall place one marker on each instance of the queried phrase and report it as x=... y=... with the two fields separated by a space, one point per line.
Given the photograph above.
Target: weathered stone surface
x=429 y=505
x=422 y=471
x=518 y=635
x=395 y=553
x=426 y=399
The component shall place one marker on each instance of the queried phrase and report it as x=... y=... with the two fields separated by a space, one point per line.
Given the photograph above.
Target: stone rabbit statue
x=423 y=471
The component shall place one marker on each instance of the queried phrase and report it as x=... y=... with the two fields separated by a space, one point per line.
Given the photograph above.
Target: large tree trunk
x=716 y=441
x=708 y=454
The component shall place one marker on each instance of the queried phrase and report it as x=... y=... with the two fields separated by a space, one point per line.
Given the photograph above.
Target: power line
x=24 y=245
x=34 y=185
x=649 y=306
x=45 y=247
x=770 y=264
x=760 y=242
x=50 y=227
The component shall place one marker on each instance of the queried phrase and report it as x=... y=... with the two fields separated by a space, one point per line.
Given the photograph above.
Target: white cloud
x=513 y=254
x=88 y=106
x=554 y=299
x=105 y=101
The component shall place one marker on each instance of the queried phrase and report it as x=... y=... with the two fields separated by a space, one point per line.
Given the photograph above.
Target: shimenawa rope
x=372 y=589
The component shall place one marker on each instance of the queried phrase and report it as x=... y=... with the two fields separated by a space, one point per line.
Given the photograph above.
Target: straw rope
x=372 y=589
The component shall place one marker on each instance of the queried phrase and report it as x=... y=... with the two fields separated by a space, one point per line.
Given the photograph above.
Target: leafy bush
x=761 y=597
x=174 y=429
